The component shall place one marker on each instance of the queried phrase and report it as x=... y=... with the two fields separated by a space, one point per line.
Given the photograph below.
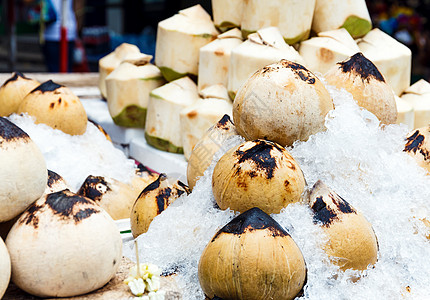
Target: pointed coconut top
x=269 y=36
x=378 y=45
x=137 y=59
x=56 y=183
x=420 y=87
x=16 y=76
x=193 y=20
x=234 y=33
x=217 y=91
x=327 y=206
x=342 y=36
x=251 y=220
x=113 y=59
x=126 y=71
x=181 y=91
x=362 y=67
x=9 y=132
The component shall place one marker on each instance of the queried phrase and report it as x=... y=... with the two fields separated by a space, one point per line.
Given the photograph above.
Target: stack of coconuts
x=194 y=53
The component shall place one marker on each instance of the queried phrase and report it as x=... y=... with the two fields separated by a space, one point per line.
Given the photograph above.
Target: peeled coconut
x=163 y=127
x=293 y=18
x=352 y=243
x=328 y=48
x=56 y=106
x=360 y=77
x=5 y=268
x=179 y=39
x=227 y=13
x=349 y=14
x=114 y=196
x=259 y=174
x=128 y=88
x=405 y=113
x=153 y=200
x=197 y=118
x=392 y=58
x=418 y=146
x=418 y=96
x=64 y=245
x=109 y=62
x=24 y=174
x=203 y=152
x=252 y=257
x=264 y=47
x=283 y=102
x=13 y=91
x=217 y=91
x=215 y=59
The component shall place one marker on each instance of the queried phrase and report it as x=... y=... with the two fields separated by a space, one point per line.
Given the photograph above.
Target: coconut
x=197 y=118
x=63 y=245
x=116 y=197
x=252 y=257
x=329 y=47
x=217 y=91
x=282 y=102
x=352 y=243
x=362 y=79
x=179 y=39
x=153 y=200
x=215 y=59
x=264 y=47
x=13 y=91
x=405 y=113
x=109 y=62
x=293 y=18
x=163 y=127
x=5 y=268
x=392 y=58
x=334 y=14
x=22 y=180
x=56 y=106
x=206 y=147
x=418 y=146
x=128 y=88
x=259 y=174
x=418 y=96
x=227 y=13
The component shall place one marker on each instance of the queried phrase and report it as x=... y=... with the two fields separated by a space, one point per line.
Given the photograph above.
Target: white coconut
x=418 y=96
x=359 y=76
x=24 y=175
x=215 y=59
x=262 y=48
x=392 y=58
x=352 y=243
x=217 y=91
x=203 y=152
x=128 y=88
x=163 y=127
x=328 y=48
x=405 y=113
x=293 y=18
x=5 y=268
x=227 y=13
x=13 y=91
x=179 y=39
x=349 y=14
x=63 y=245
x=109 y=62
x=282 y=102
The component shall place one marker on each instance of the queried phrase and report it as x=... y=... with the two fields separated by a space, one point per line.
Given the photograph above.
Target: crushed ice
x=361 y=161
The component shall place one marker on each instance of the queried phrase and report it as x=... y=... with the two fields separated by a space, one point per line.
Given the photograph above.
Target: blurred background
x=104 y=24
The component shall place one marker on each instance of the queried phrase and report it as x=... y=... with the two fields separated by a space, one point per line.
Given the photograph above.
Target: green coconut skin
x=171 y=75
x=162 y=144
x=131 y=116
x=225 y=26
x=357 y=27
x=231 y=95
x=290 y=41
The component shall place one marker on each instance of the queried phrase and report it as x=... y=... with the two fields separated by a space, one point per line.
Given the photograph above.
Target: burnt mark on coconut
x=53 y=178
x=303 y=73
x=140 y=168
x=29 y=217
x=414 y=143
x=225 y=122
x=342 y=204
x=360 y=65
x=154 y=185
x=322 y=213
x=15 y=77
x=47 y=86
x=260 y=155
x=63 y=205
x=252 y=219
x=94 y=187
x=163 y=199
x=185 y=188
x=9 y=131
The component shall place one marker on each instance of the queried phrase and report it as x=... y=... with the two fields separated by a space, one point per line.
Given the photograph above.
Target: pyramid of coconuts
x=194 y=53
